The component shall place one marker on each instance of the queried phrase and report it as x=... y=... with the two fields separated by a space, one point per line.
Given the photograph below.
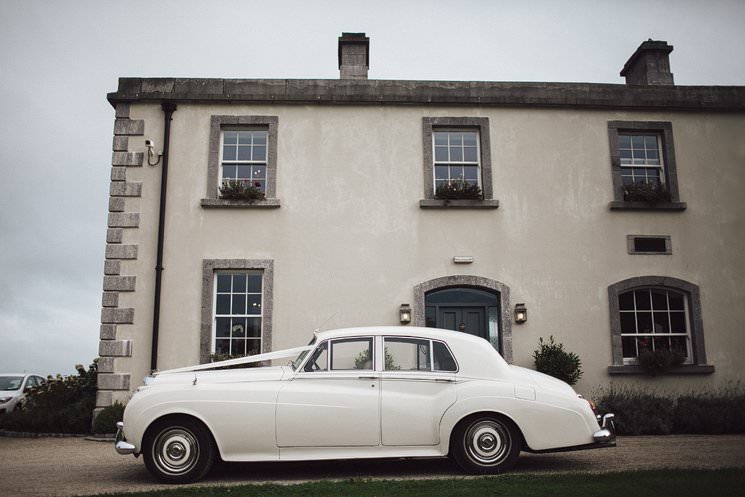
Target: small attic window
x=649 y=244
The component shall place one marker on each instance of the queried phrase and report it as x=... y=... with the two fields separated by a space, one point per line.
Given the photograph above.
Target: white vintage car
x=358 y=393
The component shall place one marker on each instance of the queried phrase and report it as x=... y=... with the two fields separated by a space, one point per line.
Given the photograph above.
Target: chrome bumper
x=607 y=432
x=121 y=445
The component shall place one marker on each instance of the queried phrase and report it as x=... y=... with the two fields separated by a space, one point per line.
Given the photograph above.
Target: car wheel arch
x=466 y=418
x=175 y=417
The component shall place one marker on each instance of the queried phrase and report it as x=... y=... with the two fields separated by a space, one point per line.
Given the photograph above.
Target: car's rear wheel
x=178 y=450
x=486 y=444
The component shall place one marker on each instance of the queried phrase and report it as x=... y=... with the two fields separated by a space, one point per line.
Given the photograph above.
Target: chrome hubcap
x=488 y=442
x=175 y=451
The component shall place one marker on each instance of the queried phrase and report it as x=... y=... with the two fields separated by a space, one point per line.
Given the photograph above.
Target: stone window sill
x=620 y=205
x=433 y=203
x=638 y=370
x=219 y=203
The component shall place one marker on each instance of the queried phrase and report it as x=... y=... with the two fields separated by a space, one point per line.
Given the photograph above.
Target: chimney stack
x=354 y=55
x=650 y=65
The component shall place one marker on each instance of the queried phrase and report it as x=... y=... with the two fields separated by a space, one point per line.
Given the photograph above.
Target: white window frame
x=223 y=162
x=659 y=167
x=450 y=163
x=635 y=311
x=215 y=315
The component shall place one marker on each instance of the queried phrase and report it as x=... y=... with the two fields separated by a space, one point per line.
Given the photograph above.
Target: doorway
x=475 y=311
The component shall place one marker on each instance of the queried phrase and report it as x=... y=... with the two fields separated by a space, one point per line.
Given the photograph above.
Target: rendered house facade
x=613 y=212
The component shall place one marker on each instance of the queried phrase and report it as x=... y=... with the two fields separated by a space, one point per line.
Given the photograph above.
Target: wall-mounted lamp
x=404 y=313
x=149 y=145
x=521 y=313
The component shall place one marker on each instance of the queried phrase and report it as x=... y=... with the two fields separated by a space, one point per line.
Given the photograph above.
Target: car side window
x=318 y=361
x=407 y=354
x=443 y=359
x=352 y=353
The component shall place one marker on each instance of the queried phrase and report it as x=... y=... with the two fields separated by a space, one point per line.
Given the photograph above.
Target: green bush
x=106 y=420
x=241 y=190
x=716 y=412
x=458 y=189
x=552 y=359
x=61 y=405
x=659 y=361
x=642 y=411
x=642 y=191
x=638 y=412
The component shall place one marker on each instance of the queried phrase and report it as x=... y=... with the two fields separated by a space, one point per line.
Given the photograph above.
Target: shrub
x=641 y=191
x=61 y=405
x=241 y=190
x=106 y=420
x=552 y=359
x=716 y=412
x=458 y=189
x=638 y=412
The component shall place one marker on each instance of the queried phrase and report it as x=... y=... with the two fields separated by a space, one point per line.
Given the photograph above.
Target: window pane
x=443 y=359
x=441 y=172
x=629 y=346
x=642 y=299
x=624 y=141
x=628 y=322
x=661 y=343
x=238 y=328
x=259 y=153
x=244 y=137
x=650 y=142
x=222 y=327
x=637 y=142
x=456 y=139
x=679 y=345
x=254 y=304
x=469 y=139
x=253 y=327
x=471 y=173
x=259 y=173
x=239 y=304
x=351 y=354
x=659 y=300
x=260 y=137
x=470 y=154
x=230 y=136
x=644 y=322
x=252 y=347
x=456 y=172
x=456 y=154
x=243 y=172
x=228 y=152
x=223 y=282
x=239 y=283
x=254 y=283
x=429 y=316
x=406 y=354
x=244 y=153
x=441 y=154
x=223 y=304
x=222 y=346
x=441 y=138
x=626 y=301
x=677 y=322
x=238 y=347
x=660 y=322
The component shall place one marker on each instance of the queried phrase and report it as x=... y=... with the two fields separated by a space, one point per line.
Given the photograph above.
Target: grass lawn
x=658 y=483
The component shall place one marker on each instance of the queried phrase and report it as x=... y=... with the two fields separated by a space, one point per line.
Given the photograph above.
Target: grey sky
x=58 y=59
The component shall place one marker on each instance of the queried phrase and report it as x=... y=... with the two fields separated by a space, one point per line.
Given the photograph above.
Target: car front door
x=334 y=401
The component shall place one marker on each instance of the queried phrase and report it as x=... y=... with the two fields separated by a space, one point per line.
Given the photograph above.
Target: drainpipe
x=168 y=110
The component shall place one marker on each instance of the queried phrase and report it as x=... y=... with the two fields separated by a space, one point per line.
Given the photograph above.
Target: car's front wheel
x=178 y=450
x=486 y=444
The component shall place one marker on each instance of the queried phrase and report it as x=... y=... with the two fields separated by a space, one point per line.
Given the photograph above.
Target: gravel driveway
x=75 y=466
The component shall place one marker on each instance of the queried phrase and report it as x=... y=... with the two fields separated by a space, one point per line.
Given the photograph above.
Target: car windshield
x=299 y=359
x=10 y=382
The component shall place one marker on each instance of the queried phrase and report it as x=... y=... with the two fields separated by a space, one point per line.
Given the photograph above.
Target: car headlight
x=3 y=400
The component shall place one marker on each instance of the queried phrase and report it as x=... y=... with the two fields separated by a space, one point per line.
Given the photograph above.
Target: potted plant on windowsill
x=458 y=189
x=241 y=190
x=660 y=361
x=651 y=193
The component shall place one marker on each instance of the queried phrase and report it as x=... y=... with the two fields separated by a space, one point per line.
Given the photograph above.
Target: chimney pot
x=354 y=55
x=649 y=65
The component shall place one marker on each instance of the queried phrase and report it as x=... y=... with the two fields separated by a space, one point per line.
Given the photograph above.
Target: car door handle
x=445 y=380
x=367 y=377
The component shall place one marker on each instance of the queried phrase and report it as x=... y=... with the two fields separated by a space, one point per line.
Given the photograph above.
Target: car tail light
x=592 y=404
